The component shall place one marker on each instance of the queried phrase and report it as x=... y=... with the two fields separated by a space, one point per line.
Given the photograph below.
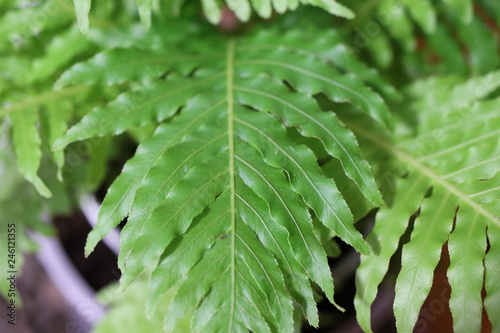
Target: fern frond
x=213 y=9
x=40 y=116
x=27 y=142
x=221 y=171
x=463 y=43
x=447 y=172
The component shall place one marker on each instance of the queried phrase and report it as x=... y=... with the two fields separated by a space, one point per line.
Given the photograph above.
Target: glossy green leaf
x=455 y=165
x=221 y=170
x=384 y=240
x=463 y=8
x=421 y=256
x=492 y=283
x=26 y=141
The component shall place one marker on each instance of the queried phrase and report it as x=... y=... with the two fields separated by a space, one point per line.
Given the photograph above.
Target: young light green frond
x=456 y=163
x=42 y=98
x=222 y=171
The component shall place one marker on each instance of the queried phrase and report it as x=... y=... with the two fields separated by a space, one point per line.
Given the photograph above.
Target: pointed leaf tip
x=82 y=9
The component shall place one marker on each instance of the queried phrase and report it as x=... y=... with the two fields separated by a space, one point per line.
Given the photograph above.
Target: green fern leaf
x=61 y=50
x=26 y=140
x=56 y=116
x=464 y=44
x=55 y=108
x=333 y=7
x=492 y=283
x=144 y=7
x=222 y=172
x=20 y=23
x=391 y=223
x=123 y=314
x=458 y=163
x=82 y=9
x=21 y=212
x=463 y=8
x=423 y=13
x=213 y=9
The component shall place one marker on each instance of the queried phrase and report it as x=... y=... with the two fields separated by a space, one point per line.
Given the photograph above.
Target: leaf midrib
x=230 y=134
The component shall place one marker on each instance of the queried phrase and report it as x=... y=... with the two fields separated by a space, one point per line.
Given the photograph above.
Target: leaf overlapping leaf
x=451 y=170
x=222 y=172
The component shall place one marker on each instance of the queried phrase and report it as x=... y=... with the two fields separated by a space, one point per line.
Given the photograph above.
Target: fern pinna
x=220 y=199
x=452 y=36
x=443 y=166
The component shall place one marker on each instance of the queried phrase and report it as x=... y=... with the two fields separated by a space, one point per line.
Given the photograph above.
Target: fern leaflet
x=458 y=162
